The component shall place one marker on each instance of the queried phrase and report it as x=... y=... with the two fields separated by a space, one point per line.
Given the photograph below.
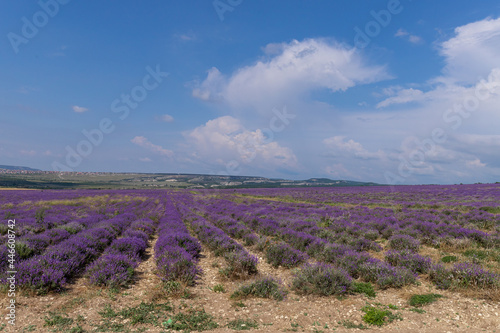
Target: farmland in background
x=36 y=179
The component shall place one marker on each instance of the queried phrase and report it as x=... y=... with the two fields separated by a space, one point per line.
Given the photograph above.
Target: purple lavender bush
x=463 y=275
x=413 y=261
x=146 y=225
x=42 y=275
x=111 y=270
x=136 y=233
x=404 y=242
x=132 y=247
x=241 y=264
x=472 y=275
x=281 y=254
x=321 y=279
x=385 y=275
x=264 y=287
x=176 y=264
x=72 y=227
x=250 y=239
x=181 y=239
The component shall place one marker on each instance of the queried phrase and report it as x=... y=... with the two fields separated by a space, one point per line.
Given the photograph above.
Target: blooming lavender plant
x=281 y=254
x=403 y=242
x=321 y=279
x=241 y=264
x=176 y=264
x=467 y=275
x=111 y=270
x=413 y=261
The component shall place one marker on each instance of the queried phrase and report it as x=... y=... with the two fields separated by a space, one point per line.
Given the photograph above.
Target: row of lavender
x=287 y=244
x=176 y=252
x=35 y=231
x=42 y=222
x=480 y=196
x=116 y=266
x=51 y=269
x=91 y=239
x=60 y=251
x=330 y=243
x=362 y=224
x=240 y=264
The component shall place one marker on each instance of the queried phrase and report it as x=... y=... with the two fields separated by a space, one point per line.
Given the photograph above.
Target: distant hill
x=14 y=167
x=15 y=177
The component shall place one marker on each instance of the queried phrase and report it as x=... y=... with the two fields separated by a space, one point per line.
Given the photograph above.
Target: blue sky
x=402 y=92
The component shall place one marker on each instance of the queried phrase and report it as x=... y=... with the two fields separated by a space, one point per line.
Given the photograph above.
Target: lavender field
x=262 y=259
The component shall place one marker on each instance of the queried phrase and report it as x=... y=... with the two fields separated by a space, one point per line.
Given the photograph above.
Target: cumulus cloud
x=211 y=89
x=485 y=90
x=473 y=51
x=79 y=109
x=145 y=143
x=287 y=71
x=471 y=64
x=225 y=139
x=462 y=103
x=475 y=164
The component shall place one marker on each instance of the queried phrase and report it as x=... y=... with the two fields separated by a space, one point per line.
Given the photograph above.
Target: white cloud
x=145 y=159
x=288 y=71
x=401 y=33
x=224 y=139
x=473 y=51
x=211 y=89
x=145 y=143
x=79 y=109
x=462 y=103
x=166 y=118
x=403 y=96
x=414 y=39
x=446 y=91
x=475 y=164
x=338 y=144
